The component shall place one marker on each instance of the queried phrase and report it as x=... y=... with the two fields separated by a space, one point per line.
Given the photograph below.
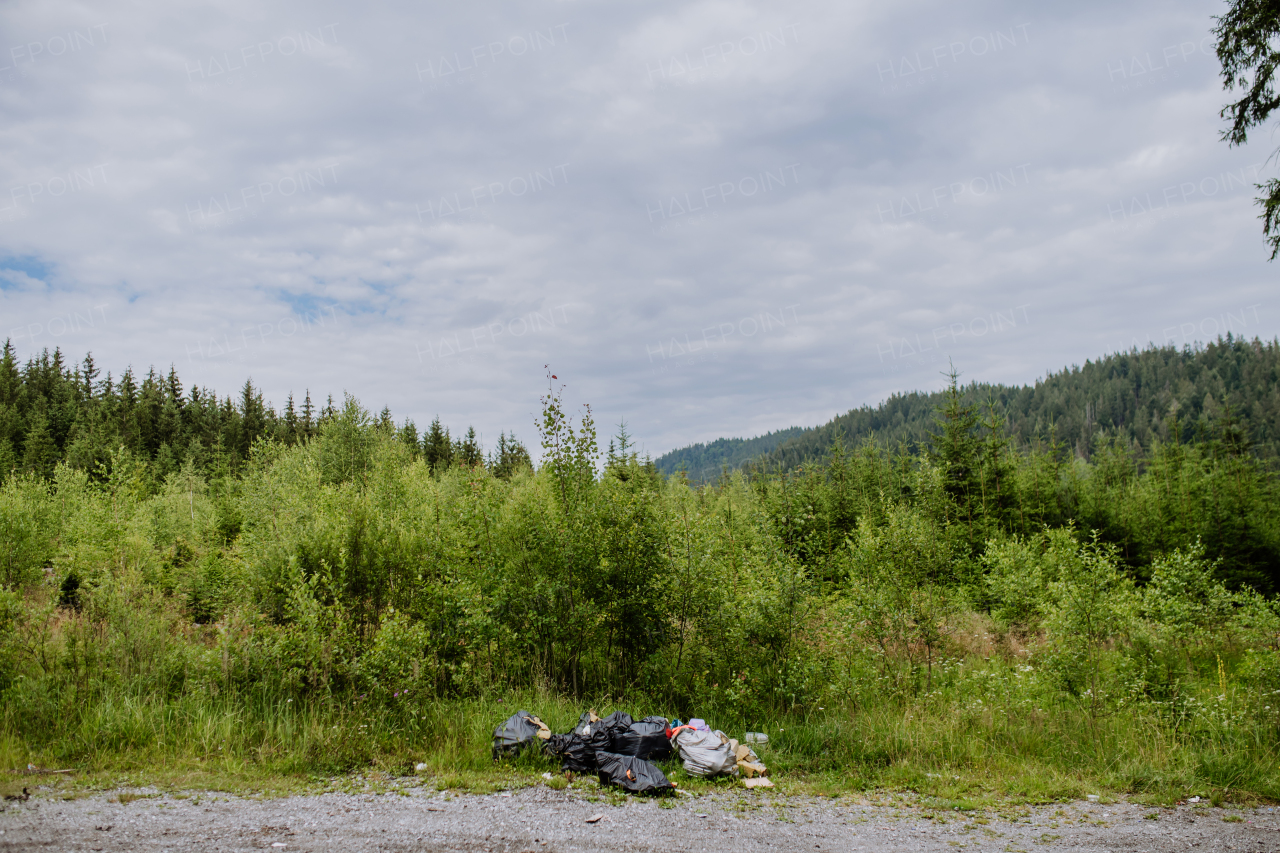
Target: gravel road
x=540 y=819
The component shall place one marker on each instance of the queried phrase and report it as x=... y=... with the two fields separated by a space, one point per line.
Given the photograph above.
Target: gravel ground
x=540 y=819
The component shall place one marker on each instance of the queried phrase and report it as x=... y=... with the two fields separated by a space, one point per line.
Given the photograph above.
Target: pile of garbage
x=621 y=750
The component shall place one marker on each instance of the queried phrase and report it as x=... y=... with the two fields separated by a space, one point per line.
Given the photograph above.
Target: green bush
x=335 y=601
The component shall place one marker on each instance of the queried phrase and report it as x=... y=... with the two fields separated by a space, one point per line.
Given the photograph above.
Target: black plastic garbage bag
x=645 y=739
x=630 y=773
x=577 y=751
x=519 y=732
x=590 y=725
x=617 y=722
x=574 y=751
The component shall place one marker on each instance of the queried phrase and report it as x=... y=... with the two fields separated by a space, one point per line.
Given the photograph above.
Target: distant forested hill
x=1138 y=397
x=704 y=461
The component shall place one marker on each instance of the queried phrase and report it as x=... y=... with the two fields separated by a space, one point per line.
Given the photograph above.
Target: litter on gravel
x=621 y=750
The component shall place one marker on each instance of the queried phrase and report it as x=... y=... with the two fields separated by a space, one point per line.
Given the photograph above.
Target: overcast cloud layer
x=710 y=218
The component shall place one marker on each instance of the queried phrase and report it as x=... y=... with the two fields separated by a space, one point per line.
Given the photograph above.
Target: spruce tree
x=10 y=391
x=509 y=457
x=253 y=417
x=469 y=452
x=955 y=450
x=88 y=374
x=174 y=387
x=437 y=448
x=408 y=435
x=308 y=410
x=39 y=452
x=290 y=421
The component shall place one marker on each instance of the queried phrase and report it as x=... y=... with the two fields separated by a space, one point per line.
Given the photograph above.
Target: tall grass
x=971 y=738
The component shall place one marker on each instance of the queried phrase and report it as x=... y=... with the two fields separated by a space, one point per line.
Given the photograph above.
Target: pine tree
x=509 y=457
x=290 y=421
x=253 y=417
x=620 y=462
x=175 y=387
x=308 y=411
x=39 y=452
x=408 y=436
x=468 y=451
x=88 y=374
x=955 y=449
x=10 y=391
x=437 y=448
x=8 y=459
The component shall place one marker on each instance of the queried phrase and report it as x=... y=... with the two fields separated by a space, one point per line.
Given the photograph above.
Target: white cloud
x=710 y=218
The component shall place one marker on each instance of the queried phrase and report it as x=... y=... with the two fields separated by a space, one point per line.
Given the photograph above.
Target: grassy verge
x=957 y=755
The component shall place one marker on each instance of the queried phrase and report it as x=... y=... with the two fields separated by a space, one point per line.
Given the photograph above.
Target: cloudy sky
x=709 y=218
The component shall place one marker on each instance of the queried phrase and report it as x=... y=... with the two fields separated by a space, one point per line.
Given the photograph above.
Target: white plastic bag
x=705 y=753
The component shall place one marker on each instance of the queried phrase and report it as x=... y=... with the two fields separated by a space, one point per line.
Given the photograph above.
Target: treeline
x=1138 y=398
x=1215 y=492
x=52 y=412
x=700 y=461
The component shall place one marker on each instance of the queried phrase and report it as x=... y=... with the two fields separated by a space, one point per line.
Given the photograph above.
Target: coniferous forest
x=1007 y=600
x=1137 y=398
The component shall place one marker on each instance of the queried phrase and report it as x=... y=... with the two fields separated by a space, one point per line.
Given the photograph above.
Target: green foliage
x=332 y=600
x=1092 y=603
x=1016 y=583
x=28 y=531
x=1247 y=36
x=902 y=588
x=397 y=662
x=1185 y=597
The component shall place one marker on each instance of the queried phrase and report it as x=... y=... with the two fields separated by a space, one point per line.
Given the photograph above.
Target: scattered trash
x=618 y=720
x=578 y=751
x=619 y=749
x=630 y=773
x=758 y=782
x=645 y=739
x=618 y=734
x=520 y=731
x=704 y=752
x=699 y=814
x=505 y=794
x=420 y=767
x=1193 y=799
x=278 y=844
x=583 y=728
x=748 y=762
x=31 y=768
x=1093 y=798
x=595 y=818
